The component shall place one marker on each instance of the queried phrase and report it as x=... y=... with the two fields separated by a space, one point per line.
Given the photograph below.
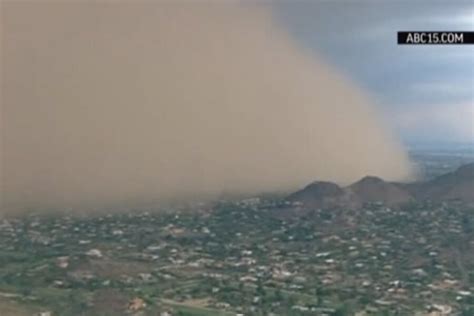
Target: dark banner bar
x=435 y=38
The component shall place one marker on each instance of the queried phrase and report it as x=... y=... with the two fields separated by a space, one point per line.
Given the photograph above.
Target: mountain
x=320 y=194
x=372 y=189
x=457 y=185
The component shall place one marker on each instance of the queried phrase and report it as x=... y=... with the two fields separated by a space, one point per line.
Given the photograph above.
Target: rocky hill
x=320 y=194
x=457 y=185
x=372 y=189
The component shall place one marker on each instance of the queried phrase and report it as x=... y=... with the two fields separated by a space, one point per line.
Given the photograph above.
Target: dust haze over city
x=235 y=158
x=109 y=102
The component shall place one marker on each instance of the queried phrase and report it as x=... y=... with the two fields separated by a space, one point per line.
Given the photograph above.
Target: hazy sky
x=105 y=102
x=426 y=92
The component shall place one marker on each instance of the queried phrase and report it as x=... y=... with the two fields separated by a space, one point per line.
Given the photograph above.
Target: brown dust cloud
x=104 y=103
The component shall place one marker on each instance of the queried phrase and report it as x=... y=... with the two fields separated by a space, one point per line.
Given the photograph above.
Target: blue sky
x=425 y=93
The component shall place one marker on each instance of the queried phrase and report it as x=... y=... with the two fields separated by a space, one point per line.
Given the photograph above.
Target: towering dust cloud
x=112 y=102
